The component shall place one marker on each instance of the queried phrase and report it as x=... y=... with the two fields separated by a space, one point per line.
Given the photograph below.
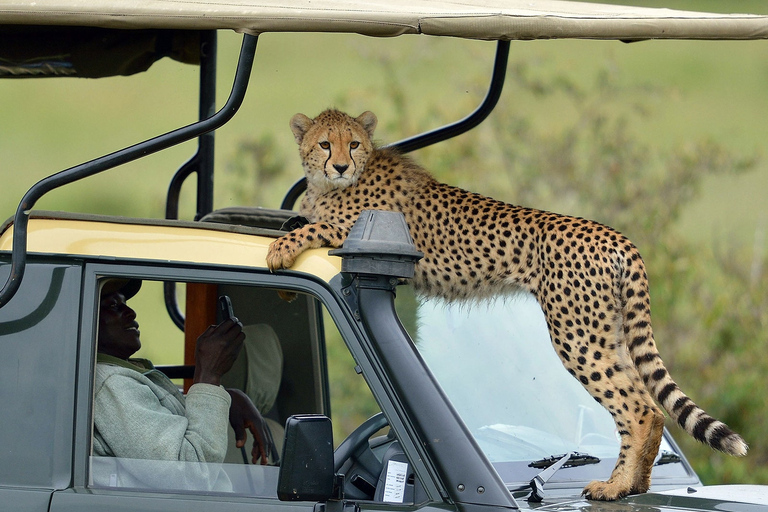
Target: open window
x=293 y=362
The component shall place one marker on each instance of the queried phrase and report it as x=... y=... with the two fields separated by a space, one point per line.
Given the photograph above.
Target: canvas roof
x=474 y=19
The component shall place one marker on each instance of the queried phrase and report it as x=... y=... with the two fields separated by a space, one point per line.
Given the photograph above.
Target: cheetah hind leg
x=614 y=382
x=632 y=473
x=650 y=449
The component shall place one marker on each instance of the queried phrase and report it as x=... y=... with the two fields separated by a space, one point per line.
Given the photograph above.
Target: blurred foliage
x=257 y=166
x=351 y=400
x=709 y=303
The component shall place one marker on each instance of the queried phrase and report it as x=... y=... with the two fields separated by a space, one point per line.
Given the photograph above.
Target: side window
x=153 y=430
x=351 y=400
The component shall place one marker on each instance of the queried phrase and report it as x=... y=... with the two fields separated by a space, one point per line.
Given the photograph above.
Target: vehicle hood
x=732 y=498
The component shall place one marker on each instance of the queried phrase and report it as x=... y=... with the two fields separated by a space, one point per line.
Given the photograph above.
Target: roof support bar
x=440 y=134
x=475 y=118
x=201 y=163
x=21 y=219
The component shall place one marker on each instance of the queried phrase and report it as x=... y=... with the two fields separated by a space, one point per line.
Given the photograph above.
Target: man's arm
x=136 y=417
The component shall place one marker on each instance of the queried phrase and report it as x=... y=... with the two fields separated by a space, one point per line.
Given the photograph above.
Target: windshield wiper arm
x=574 y=459
x=667 y=457
x=552 y=465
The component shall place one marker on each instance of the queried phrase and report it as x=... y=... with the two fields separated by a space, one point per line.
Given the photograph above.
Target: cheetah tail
x=658 y=381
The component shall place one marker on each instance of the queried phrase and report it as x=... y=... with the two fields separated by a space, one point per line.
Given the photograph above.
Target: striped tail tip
x=734 y=445
x=720 y=437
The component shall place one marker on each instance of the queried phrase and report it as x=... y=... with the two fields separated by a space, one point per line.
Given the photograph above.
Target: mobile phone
x=225 y=308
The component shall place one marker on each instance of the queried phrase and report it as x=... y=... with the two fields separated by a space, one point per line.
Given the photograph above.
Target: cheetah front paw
x=280 y=255
x=605 y=491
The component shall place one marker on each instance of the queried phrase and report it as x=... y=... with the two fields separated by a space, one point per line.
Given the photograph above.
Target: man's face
x=118 y=329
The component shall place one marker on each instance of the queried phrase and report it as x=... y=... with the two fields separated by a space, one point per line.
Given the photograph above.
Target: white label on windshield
x=394 y=487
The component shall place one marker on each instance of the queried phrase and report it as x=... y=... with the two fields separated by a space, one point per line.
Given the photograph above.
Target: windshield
x=495 y=362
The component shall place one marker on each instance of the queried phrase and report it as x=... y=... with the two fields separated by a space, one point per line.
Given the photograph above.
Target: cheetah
x=589 y=280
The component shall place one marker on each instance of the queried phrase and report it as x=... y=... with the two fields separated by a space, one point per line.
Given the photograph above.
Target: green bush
x=709 y=303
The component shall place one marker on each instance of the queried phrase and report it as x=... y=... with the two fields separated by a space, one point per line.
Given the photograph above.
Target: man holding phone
x=140 y=414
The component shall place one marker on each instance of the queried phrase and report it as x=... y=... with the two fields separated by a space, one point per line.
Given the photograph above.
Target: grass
x=716 y=90
x=710 y=89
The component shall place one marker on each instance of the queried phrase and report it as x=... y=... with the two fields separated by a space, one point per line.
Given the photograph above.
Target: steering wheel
x=356 y=443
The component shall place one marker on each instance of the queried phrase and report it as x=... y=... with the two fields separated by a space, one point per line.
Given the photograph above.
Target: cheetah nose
x=341 y=168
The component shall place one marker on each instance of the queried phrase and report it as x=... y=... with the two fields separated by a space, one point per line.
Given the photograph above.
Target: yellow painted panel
x=162 y=243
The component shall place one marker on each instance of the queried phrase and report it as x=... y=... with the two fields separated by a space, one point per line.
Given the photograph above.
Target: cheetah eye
x=325 y=144
x=354 y=144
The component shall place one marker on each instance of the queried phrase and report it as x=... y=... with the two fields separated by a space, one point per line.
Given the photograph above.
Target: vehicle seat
x=257 y=371
x=253 y=216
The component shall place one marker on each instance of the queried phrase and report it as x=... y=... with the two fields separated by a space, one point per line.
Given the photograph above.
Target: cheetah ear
x=368 y=121
x=299 y=126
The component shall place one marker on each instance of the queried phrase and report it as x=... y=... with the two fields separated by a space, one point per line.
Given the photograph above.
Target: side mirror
x=306 y=467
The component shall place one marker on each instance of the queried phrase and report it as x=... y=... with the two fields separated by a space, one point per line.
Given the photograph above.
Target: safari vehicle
x=468 y=428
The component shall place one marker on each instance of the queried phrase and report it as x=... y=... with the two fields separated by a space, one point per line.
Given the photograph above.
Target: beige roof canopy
x=474 y=19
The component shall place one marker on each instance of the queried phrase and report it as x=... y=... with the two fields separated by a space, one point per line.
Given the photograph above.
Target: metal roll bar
x=21 y=218
x=201 y=163
x=440 y=134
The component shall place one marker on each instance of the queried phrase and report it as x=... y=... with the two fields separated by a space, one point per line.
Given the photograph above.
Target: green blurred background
x=665 y=141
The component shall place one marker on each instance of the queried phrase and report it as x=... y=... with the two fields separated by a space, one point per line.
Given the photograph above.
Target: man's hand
x=244 y=415
x=216 y=351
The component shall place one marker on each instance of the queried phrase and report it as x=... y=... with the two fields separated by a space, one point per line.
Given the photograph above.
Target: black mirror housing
x=306 y=468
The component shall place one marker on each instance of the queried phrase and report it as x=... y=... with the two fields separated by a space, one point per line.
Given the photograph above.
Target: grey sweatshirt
x=140 y=414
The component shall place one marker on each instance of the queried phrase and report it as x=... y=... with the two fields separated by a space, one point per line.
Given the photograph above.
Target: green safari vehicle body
x=480 y=415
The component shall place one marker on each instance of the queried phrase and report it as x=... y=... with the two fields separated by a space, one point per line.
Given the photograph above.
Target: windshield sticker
x=394 y=487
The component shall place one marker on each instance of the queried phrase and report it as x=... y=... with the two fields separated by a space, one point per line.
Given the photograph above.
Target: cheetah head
x=334 y=147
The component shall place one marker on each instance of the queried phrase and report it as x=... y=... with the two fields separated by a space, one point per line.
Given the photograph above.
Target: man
x=140 y=414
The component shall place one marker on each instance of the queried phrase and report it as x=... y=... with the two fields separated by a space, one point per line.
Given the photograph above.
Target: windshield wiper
x=574 y=459
x=552 y=465
x=667 y=457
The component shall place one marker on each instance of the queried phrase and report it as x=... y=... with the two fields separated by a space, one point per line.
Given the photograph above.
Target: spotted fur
x=589 y=279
